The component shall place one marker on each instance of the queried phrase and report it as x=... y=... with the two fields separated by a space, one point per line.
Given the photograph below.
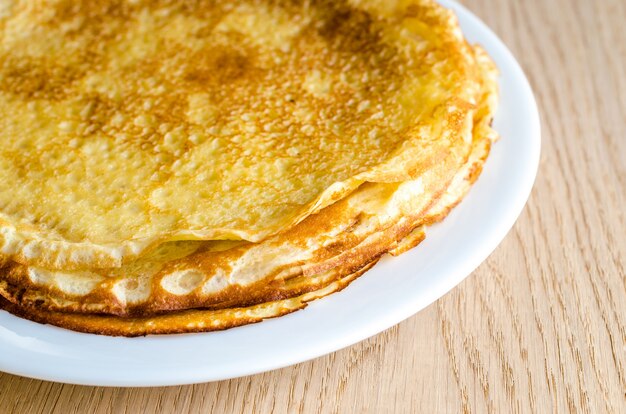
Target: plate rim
x=14 y=331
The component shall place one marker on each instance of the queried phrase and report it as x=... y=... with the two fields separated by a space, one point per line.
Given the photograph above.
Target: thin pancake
x=127 y=124
x=194 y=286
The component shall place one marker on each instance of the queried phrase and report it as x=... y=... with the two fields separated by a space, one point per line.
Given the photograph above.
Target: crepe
x=145 y=122
x=191 y=285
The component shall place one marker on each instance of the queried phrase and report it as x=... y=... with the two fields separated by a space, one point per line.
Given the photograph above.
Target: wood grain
x=539 y=327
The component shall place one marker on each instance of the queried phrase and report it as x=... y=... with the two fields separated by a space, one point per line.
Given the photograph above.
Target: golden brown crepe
x=141 y=122
x=387 y=177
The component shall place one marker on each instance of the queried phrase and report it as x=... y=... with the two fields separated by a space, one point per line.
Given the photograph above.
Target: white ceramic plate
x=391 y=292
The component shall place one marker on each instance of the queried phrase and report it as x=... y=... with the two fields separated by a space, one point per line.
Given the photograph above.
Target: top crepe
x=125 y=124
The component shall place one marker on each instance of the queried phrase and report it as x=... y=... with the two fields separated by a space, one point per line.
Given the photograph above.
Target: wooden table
x=539 y=327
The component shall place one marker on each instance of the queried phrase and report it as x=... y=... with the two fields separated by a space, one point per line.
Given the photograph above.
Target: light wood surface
x=539 y=327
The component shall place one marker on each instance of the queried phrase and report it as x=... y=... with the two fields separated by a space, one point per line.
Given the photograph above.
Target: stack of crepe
x=193 y=166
